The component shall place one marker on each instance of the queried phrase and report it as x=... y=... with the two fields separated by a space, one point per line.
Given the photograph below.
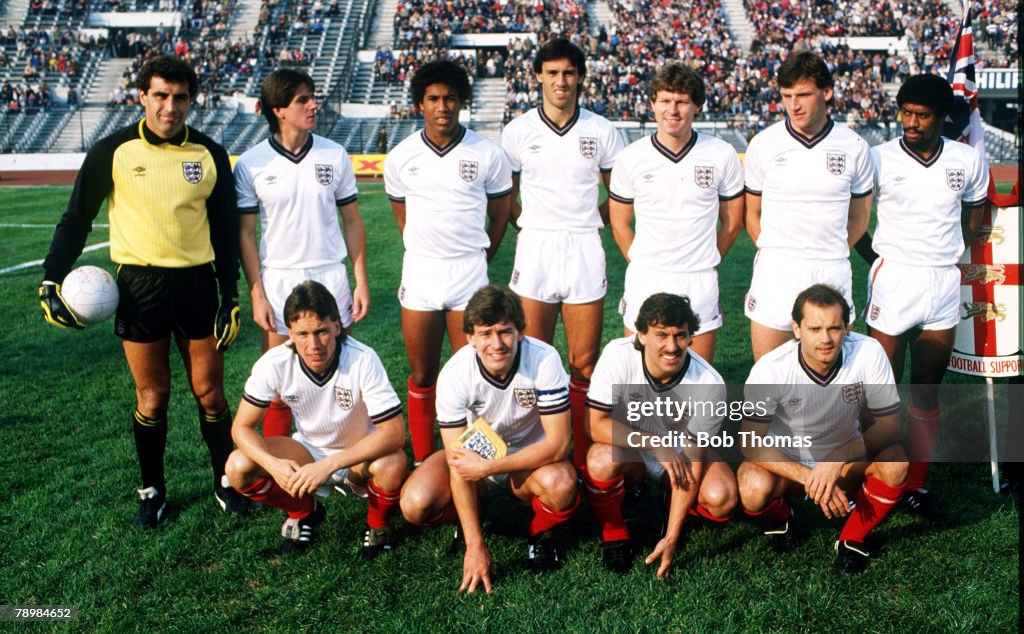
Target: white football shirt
x=332 y=411
x=798 y=401
x=445 y=191
x=297 y=197
x=560 y=168
x=675 y=200
x=536 y=386
x=621 y=368
x=920 y=200
x=806 y=186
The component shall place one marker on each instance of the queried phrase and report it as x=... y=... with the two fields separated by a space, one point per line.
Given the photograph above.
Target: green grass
x=69 y=472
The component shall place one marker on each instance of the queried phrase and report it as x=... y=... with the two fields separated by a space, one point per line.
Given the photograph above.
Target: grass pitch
x=69 y=473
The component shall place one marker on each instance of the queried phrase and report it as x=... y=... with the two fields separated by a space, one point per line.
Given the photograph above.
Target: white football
x=91 y=293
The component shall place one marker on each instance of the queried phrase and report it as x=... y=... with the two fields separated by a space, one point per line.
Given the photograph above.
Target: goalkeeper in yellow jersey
x=518 y=385
x=174 y=238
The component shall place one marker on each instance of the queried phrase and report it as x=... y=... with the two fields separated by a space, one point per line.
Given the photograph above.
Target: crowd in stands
x=433 y=22
x=996 y=26
x=37 y=55
x=398 y=68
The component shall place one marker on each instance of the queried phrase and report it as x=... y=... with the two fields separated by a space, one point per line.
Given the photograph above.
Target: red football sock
x=421 y=420
x=578 y=410
x=874 y=501
x=278 y=420
x=605 y=500
x=778 y=511
x=698 y=510
x=922 y=428
x=267 y=491
x=546 y=518
x=382 y=505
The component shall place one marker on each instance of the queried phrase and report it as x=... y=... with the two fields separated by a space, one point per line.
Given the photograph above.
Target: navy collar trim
x=560 y=131
x=809 y=142
x=441 y=151
x=675 y=157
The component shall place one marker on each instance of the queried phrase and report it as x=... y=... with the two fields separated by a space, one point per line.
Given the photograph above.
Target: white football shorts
x=778 y=279
x=433 y=284
x=700 y=287
x=559 y=267
x=279 y=283
x=902 y=297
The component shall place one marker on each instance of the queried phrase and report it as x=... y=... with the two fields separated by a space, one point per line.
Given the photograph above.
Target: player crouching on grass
x=814 y=388
x=518 y=386
x=348 y=422
x=656 y=357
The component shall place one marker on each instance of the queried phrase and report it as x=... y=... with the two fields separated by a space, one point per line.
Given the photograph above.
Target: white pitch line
x=13 y=225
x=26 y=265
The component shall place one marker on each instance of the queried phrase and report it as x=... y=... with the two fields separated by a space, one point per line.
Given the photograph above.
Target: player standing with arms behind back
x=297 y=182
x=174 y=237
x=560 y=155
x=449 y=189
x=679 y=184
x=809 y=182
x=931 y=195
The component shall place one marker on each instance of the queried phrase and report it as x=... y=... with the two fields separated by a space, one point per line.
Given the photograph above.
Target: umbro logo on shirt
x=270 y=180
x=534 y=148
x=139 y=170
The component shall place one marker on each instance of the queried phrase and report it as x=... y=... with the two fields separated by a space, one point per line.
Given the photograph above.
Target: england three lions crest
x=588 y=146
x=343 y=396
x=324 y=173
x=853 y=393
x=468 y=170
x=704 y=176
x=192 y=170
x=525 y=397
x=836 y=163
x=955 y=179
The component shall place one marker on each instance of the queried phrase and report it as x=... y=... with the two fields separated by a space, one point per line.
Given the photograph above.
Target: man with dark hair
x=174 y=238
x=449 y=189
x=931 y=194
x=803 y=431
x=808 y=182
x=296 y=183
x=685 y=190
x=349 y=431
x=655 y=361
x=517 y=385
x=560 y=155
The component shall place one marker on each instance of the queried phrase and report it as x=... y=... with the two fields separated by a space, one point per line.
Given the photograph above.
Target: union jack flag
x=964 y=123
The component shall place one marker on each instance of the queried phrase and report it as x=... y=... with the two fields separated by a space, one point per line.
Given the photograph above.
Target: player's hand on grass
x=468 y=464
x=262 y=312
x=822 y=480
x=55 y=309
x=360 y=303
x=308 y=478
x=477 y=569
x=664 y=552
x=677 y=468
x=227 y=323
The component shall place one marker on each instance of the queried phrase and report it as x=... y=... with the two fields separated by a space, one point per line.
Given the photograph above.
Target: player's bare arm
x=262 y=312
x=860 y=216
x=477 y=565
x=498 y=211
x=515 y=208
x=603 y=208
x=251 y=443
x=388 y=437
x=602 y=428
x=752 y=216
x=730 y=220
x=398 y=209
x=970 y=221
x=682 y=500
x=354 y=232
x=621 y=220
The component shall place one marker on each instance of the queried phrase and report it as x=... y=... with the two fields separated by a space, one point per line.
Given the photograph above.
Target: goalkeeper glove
x=227 y=323
x=55 y=309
